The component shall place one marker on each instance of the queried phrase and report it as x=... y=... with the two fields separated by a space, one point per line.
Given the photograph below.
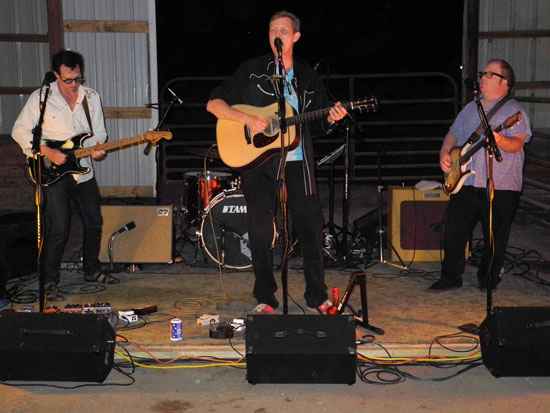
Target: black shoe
x=483 y=284
x=52 y=292
x=101 y=277
x=445 y=284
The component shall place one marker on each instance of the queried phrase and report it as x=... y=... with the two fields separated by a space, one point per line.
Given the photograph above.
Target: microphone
x=49 y=78
x=128 y=227
x=470 y=84
x=279 y=45
x=316 y=65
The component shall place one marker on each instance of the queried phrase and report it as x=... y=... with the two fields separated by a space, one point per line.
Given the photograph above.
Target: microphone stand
x=280 y=85
x=492 y=151
x=37 y=166
x=345 y=199
x=146 y=151
x=380 y=230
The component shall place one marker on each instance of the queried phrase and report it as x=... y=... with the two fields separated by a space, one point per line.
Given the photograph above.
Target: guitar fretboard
x=316 y=114
x=83 y=152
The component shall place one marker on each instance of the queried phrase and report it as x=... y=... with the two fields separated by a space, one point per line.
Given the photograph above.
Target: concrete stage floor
x=397 y=302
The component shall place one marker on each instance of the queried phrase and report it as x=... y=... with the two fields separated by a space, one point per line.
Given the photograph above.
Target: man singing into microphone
x=470 y=204
x=70 y=109
x=254 y=84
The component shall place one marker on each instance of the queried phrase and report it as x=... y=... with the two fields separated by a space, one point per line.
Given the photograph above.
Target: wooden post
x=470 y=50
x=55 y=26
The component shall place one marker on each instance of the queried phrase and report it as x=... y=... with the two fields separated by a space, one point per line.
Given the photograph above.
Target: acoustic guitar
x=241 y=150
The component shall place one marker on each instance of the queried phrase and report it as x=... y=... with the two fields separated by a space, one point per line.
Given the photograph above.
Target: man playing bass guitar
x=470 y=204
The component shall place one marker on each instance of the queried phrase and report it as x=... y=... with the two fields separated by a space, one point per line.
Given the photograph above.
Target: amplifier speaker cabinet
x=415 y=223
x=515 y=341
x=55 y=347
x=300 y=349
x=149 y=242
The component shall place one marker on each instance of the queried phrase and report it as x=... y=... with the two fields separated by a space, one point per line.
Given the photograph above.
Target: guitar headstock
x=512 y=120
x=367 y=104
x=154 y=136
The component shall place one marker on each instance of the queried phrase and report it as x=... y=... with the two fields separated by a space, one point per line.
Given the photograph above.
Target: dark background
x=208 y=38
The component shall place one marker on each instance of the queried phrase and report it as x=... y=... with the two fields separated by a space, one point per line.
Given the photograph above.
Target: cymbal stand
x=331 y=157
x=380 y=230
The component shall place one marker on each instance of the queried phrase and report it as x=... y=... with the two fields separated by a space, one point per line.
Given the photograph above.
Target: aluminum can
x=175 y=329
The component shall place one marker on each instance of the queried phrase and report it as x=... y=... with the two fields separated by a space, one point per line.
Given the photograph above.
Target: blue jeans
x=57 y=224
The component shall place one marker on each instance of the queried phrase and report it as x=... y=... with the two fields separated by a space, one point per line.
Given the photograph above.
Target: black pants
x=57 y=213
x=465 y=209
x=260 y=189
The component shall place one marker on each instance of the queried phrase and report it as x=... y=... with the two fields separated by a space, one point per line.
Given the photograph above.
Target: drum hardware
x=224 y=231
x=200 y=189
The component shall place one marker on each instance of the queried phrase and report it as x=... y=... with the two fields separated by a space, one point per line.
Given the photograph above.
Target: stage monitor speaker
x=515 y=341
x=300 y=349
x=415 y=224
x=149 y=242
x=55 y=347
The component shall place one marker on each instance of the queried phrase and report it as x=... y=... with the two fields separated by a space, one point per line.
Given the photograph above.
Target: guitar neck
x=109 y=146
x=313 y=115
x=476 y=146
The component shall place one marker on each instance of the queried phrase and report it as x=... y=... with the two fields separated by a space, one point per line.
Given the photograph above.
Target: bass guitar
x=73 y=148
x=241 y=150
x=461 y=156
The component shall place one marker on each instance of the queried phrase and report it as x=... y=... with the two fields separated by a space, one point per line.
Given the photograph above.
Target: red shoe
x=263 y=309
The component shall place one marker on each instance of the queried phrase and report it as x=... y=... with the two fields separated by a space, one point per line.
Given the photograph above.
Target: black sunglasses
x=79 y=80
x=490 y=75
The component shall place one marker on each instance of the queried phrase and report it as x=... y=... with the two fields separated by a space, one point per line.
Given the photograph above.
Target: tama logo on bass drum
x=234 y=209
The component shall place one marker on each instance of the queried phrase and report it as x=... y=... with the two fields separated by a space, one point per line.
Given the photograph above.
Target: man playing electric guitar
x=70 y=109
x=470 y=204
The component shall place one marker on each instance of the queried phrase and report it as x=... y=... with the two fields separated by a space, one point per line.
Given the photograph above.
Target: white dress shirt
x=60 y=122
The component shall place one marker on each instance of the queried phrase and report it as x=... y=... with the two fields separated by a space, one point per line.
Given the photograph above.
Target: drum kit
x=215 y=205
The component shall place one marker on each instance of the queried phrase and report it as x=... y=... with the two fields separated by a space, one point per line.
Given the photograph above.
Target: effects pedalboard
x=90 y=308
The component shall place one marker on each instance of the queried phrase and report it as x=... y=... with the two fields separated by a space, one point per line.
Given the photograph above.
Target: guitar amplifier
x=150 y=241
x=415 y=223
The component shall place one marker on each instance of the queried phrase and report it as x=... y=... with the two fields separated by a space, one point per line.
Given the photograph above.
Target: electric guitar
x=51 y=173
x=241 y=150
x=461 y=156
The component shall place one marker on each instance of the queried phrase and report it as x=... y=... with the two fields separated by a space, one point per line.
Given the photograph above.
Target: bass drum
x=224 y=231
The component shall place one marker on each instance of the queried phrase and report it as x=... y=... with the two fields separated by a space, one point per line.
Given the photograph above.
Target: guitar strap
x=474 y=137
x=87 y=112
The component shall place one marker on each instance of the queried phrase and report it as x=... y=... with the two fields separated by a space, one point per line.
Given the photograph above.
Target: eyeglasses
x=490 y=75
x=79 y=80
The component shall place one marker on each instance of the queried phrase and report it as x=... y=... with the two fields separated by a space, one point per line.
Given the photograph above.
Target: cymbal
x=202 y=152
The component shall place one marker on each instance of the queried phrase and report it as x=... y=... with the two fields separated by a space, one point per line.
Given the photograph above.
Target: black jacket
x=251 y=85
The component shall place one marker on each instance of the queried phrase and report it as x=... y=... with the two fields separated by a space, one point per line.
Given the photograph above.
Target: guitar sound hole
x=261 y=140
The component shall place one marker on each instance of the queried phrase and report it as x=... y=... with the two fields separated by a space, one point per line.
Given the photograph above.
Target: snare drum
x=200 y=190
x=224 y=231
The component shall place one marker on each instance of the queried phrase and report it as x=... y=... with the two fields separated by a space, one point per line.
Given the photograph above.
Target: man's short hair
x=507 y=71
x=68 y=58
x=293 y=18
